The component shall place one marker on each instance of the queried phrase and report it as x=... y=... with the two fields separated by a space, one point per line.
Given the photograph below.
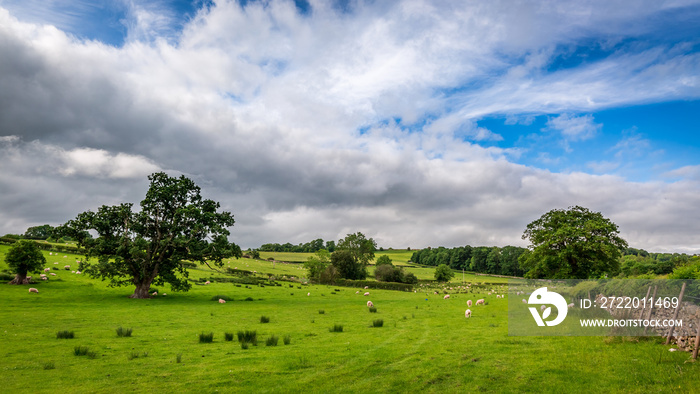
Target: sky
x=418 y=123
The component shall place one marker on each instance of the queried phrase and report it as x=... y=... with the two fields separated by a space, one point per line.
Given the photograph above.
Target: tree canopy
x=150 y=246
x=24 y=256
x=39 y=232
x=574 y=243
x=443 y=273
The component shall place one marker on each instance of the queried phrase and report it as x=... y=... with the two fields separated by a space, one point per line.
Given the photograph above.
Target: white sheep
x=469 y=303
x=52 y=274
x=207 y=282
x=524 y=301
x=480 y=302
x=78 y=272
x=543 y=307
x=366 y=287
x=222 y=301
x=367 y=293
x=47 y=269
x=44 y=278
x=308 y=294
x=369 y=304
x=446 y=297
x=357 y=292
x=571 y=305
x=468 y=313
x=155 y=293
x=33 y=290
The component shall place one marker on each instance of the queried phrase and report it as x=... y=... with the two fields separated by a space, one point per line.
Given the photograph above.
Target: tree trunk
x=20 y=279
x=142 y=290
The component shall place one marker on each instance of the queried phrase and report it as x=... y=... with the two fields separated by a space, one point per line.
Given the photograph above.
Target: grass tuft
x=287 y=339
x=336 y=328
x=65 y=334
x=264 y=319
x=271 y=341
x=81 y=350
x=123 y=332
x=206 y=338
x=248 y=337
x=49 y=365
x=378 y=323
x=228 y=336
x=178 y=358
x=321 y=312
x=372 y=309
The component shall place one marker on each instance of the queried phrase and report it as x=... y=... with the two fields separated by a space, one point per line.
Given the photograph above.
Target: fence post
x=675 y=314
x=697 y=342
x=641 y=314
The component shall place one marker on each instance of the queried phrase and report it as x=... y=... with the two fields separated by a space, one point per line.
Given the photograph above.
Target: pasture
x=425 y=342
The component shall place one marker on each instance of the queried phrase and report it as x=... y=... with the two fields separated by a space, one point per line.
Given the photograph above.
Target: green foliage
x=389 y=273
x=443 y=273
x=264 y=319
x=361 y=248
x=574 y=243
x=309 y=247
x=382 y=260
x=65 y=334
x=206 y=338
x=24 y=257
x=346 y=265
x=174 y=224
x=254 y=254
x=178 y=358
x=287 y=339
x=317 y=264
x=378 y=323
x=221 y=297
x=271 y=341
x=410 y=278
x=492 y=260
x=39 y=232
x=228 y=336
x=336 y=328
x=690 y=270
x=321 y=312
x=81 y=350
x=372 y=309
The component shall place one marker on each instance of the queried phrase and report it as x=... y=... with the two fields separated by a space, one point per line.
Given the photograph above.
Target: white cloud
x=318 y=125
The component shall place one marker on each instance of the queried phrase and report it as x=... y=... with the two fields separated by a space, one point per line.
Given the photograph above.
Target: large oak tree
x=572 y=244
x=152 y=246
x=24 y=256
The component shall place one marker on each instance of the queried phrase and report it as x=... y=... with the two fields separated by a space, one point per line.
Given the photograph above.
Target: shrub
x=65 y=335
x=378 y=323
x=249 y=299
x=228 y=336
x=372 y=309
x=336 y=328
x=123 y=332
x=271 y=341
x=264 y=319
x=287 y=339
x=206 y=338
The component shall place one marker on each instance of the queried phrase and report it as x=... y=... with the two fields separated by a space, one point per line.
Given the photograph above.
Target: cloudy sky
x=419 y=123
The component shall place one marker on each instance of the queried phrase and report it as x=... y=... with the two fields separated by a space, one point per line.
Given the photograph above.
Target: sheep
x=468 y=313
x=367 y=293
x=366 y=287
x=44 y=278
x=524 y=301
x=52 y=274
x=164 y=294
x=480 y=302
x=207 y=282
x=33 y=290
x=469 y=303
x=222 y=301
x=357 y=292
x=47 y=269
x=446 y=297
x=369 y=304
x=571 y=305
x=66 y=267
x=543 y=307
x=78 y=272
x=308 y=294
x=155 y=293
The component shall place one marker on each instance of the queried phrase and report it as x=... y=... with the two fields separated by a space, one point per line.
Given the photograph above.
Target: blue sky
x=420 y=123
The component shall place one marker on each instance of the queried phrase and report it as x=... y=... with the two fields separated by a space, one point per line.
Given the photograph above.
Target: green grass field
x=425 y=343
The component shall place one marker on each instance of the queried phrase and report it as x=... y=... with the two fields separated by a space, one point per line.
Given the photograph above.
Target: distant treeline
x=504 y=261
x=309 y=247
x=484 y=259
